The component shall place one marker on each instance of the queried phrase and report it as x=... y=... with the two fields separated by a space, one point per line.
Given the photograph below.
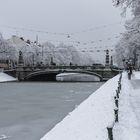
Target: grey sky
x=59 y=16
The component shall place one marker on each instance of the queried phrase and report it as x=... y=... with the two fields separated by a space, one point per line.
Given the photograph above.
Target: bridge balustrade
x=59 y=67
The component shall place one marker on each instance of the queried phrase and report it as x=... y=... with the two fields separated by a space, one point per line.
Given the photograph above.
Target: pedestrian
x=129 y=71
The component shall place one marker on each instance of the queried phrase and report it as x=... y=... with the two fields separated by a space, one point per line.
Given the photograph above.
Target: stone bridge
x=48 y=73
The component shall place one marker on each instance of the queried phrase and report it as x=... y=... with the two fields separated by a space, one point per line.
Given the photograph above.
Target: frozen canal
x=29 y=110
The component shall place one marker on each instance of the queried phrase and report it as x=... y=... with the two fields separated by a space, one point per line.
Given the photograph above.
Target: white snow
x=6 y=78
x=90 y=119
x=128 y=127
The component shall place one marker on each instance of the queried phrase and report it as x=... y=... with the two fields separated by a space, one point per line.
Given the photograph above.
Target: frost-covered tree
x=7 y=51
x=62 y=54
x=129 y=44
x=45 y=54
x=125 y=4
x=30 y=50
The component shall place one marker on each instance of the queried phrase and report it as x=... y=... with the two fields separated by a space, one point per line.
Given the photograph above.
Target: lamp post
x=107 y=58
x=42 y=52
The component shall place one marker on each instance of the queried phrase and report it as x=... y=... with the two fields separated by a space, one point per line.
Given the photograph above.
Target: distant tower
x=111 y=61
x=20 y=60
x=107 y=58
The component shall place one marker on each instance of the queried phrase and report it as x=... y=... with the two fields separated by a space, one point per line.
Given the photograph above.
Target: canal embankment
x=112 y=112
x=90 y=120
x=6 y=78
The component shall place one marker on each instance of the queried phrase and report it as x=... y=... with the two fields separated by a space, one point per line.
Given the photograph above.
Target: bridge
x=48 y=73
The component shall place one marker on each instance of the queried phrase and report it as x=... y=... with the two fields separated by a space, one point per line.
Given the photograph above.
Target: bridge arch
x=51 y=75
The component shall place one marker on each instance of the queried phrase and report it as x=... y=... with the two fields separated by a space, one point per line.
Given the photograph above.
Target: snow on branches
x=125 y=4
x=130 y=41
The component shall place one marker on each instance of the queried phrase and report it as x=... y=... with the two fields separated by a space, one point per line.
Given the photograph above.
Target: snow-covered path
x=128 y=127
x=135 y=98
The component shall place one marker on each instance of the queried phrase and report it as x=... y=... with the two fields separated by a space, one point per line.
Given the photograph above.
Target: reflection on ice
x=77 y=77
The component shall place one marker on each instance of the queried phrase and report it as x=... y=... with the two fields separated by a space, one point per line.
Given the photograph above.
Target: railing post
x=120 y=86
x=118 y=89
x=116 y=114
x=117 y=94
x=110 y=133
x=117 y=102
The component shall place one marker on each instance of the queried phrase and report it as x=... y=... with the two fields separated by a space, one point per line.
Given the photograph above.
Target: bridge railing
x=61 y=67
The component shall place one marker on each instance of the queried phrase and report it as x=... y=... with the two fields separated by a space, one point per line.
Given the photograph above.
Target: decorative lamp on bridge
x=20 y=60
x=107 y=58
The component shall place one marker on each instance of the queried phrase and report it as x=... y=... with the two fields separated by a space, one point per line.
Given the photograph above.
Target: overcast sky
x=60 y=16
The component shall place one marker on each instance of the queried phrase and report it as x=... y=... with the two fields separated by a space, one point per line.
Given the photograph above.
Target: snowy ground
x=6 y=78
x=128 y=127
x=90 y=119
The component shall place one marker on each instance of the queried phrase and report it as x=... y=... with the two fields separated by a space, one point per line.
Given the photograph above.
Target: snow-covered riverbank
x=6 y=78
x=90 y=119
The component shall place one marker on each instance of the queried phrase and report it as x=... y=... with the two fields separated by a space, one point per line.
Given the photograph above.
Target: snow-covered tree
x=63 y=55
x=47 y=53
x=125 y=4
x=7 y=51
x=129 y=44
